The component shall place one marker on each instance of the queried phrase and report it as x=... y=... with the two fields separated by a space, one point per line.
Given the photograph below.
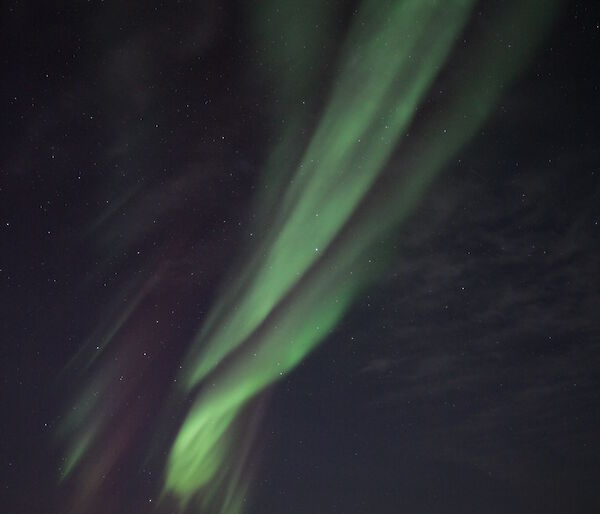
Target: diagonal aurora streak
x=387 y=68
x=323 y=223
x=322 y=245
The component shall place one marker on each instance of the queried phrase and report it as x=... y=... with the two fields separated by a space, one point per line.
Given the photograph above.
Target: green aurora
x=325 y=212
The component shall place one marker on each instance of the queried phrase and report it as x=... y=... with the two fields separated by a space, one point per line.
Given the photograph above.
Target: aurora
x=323 y=226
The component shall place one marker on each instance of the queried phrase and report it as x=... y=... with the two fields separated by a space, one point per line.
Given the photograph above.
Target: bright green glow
x=318 y=253
x=324 y=207
x=194 y=458
x=390 y=61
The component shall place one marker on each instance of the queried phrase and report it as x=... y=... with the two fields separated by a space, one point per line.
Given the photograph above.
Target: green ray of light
x=389 y=62
x=320 y=247
x=325 y=205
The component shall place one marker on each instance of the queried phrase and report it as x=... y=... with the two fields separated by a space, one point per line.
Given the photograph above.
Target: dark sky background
x=466 y=380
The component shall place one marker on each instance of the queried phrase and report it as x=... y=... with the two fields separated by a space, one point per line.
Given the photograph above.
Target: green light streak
x=319 y=250
x=331 y=201
x=390 y=61
x=86 y=418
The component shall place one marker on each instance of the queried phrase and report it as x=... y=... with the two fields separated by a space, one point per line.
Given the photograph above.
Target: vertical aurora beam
x=320 y=249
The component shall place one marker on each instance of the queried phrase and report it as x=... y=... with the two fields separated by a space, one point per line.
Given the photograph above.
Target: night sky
x=285 y=257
